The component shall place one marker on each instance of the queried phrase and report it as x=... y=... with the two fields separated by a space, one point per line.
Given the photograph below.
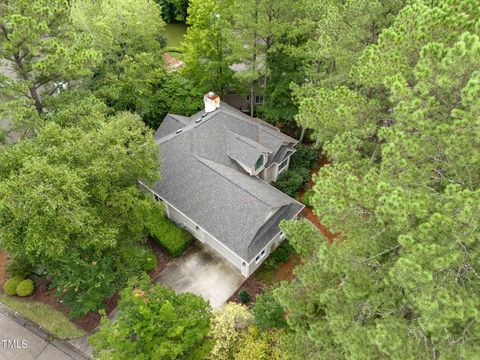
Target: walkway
x=22 y=340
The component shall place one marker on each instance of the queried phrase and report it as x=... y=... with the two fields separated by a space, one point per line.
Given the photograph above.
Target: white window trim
x=260 y=256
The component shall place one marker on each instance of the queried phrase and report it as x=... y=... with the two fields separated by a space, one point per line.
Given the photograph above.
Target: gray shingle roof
x=199 y=178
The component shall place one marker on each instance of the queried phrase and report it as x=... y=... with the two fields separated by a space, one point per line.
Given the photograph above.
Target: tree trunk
x=302 y=135
x=252 y=100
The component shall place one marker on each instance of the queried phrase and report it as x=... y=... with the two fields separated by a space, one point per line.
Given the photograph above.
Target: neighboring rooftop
x=202 y=178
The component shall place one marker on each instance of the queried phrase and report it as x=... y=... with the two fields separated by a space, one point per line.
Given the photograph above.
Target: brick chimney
x=212 y=102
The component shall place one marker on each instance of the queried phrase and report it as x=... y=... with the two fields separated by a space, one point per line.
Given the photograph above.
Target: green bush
x=19 y=266
x=244 y=296
x=25 y=288
x=149 y=261
x=268 y=312
x=169 y=235
x=279 y=256
x=291 y=181
x=304 y=157
x=308 y=197
x=10 y=286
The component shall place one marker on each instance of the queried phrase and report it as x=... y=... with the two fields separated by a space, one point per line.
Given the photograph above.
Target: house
x=215 y=174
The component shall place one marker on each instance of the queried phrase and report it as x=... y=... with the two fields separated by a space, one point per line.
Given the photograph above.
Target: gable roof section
x=244 y=150
x=199 y=178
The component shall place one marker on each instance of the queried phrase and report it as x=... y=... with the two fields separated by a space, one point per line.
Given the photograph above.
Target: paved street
x=19 y=342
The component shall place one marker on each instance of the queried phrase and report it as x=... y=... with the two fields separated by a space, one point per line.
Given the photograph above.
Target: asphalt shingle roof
x=200 y=179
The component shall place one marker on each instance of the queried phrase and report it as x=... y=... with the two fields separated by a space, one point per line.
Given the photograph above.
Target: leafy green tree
x=40 y=53
x=227 y=325
x=403 y=280
x=154 y=323
x=131 y=68
x=268 y=312
x=173 y=10
x=71 y=193
x=210 y=44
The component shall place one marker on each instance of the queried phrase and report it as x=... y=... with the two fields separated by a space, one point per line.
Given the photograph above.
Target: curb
x=54 y=340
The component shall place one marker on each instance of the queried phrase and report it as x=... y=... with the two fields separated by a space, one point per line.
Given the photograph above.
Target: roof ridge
x=206 y=161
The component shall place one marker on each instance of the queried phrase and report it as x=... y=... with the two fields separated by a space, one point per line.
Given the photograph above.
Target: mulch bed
x=43 y=293
x=254 y=288
x=3 y=263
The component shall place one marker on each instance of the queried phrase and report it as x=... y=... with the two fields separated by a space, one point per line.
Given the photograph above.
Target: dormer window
x=260 y=162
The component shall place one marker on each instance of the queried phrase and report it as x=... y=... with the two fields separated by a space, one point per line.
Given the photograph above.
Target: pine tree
x=403 y=281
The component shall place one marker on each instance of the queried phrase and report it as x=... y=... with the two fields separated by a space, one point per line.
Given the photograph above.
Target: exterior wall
x=205 y=238
x=268 y=174
x=272 y=245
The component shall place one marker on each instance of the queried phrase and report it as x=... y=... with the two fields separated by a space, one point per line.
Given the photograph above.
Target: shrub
x=305 y=157
x=10 y=286
x=169 y=235
x=268 y=312
x=19 y=266
x=244 y=296
x=84 y=284
x=25 y=288
x=307 y=197
x=289 y=182
x=279 y=256
x=149 y=261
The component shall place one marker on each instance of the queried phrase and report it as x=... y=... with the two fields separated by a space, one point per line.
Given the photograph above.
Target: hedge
x=169 y=235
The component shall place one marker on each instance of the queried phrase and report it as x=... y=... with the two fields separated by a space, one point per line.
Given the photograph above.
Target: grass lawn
x=174 y=33
x=50 y=319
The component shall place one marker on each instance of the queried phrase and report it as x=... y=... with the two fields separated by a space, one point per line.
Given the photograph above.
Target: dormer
x=249 y=154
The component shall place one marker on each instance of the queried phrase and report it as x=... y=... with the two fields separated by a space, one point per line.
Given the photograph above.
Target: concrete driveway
x=200 y=272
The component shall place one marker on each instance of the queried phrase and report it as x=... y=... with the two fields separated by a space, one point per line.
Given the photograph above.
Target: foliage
x=48 y=318
x=258 y=345
x=20 y=267
x=225 y=329
x=173 y=10
x=307 y=197
x=44 y=52
x=209 y=45
x=244 y=296
x=84 y=285
x=167 y=234
x=403 y=280
x=279 y=256
x=25 y=288
x=10 y=286
x=268 y=312
x=304 y=157
x=153 y=323
x=292 y=181
x=149 y=261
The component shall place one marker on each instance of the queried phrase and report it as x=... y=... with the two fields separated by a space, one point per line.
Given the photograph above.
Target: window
x=260 y=256
x=258 y=99
x=283 y=165
x=259 y=163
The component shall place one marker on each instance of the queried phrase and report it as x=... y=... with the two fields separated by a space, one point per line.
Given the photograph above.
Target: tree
x=173 y=10
x=209 y=45
x=43 y=52
x=268 y=312
x=402 y=282
x=258 y=345
x=70 y=194
x=225 y=329
x=153 y=323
